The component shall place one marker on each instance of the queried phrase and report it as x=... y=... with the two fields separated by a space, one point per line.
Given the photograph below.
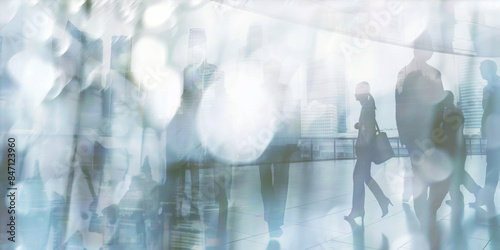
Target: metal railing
x=344 y=148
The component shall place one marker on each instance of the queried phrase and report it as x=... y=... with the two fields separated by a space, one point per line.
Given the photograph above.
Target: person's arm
x=438 y=98
x=370 y=122
x=399 y=81
x=439 y=83
x=486 y=99
x=366 y=126
x=437 y=89
x=486 y=107
x=398 y=98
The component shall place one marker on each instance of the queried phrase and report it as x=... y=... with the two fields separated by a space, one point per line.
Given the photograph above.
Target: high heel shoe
x=385 y=207
x=355 y=214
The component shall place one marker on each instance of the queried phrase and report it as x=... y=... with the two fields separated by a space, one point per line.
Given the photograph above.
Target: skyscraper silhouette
x=470 y=86
x=320 y=121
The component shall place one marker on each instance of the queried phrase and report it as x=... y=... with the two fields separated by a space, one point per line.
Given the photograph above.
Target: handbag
x=381 y=147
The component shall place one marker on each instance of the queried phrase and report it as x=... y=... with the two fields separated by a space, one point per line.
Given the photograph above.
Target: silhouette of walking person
x=185 y=149
x=214 y=116
x=275 y=160
x=454 y=146
x=361 y=176
x=419 y=91
x=489 y=129
x=276 y=107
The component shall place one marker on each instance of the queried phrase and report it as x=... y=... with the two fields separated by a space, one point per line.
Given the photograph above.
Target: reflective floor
x=320 y=195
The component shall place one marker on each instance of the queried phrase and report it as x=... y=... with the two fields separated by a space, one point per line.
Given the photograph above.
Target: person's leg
x=457 y=198
x=172 y=191
x=437 y=192
x=228 y=175
x=407 y=180
x=221 y=198
x=281 y=173
x=266 y=189
x=492 y=172
x=360 y=175
x=181 y=186
x=182 y=178
x=382 y=200
x=195 y=188
x=420 y=188
x=470 y=184
x=375 y=188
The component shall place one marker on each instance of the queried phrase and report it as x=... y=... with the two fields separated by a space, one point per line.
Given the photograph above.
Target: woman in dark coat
x=362 y=175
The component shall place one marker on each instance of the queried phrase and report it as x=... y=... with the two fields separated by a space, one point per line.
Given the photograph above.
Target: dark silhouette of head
x=362 y=91
x=423 y=49
x=488 y=69
x=448 y=99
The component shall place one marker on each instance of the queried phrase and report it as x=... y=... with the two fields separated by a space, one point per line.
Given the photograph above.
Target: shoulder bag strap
x=376 y=126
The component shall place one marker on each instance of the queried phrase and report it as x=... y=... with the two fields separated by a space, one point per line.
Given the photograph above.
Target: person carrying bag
x=365 y=146
x=381 y=148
